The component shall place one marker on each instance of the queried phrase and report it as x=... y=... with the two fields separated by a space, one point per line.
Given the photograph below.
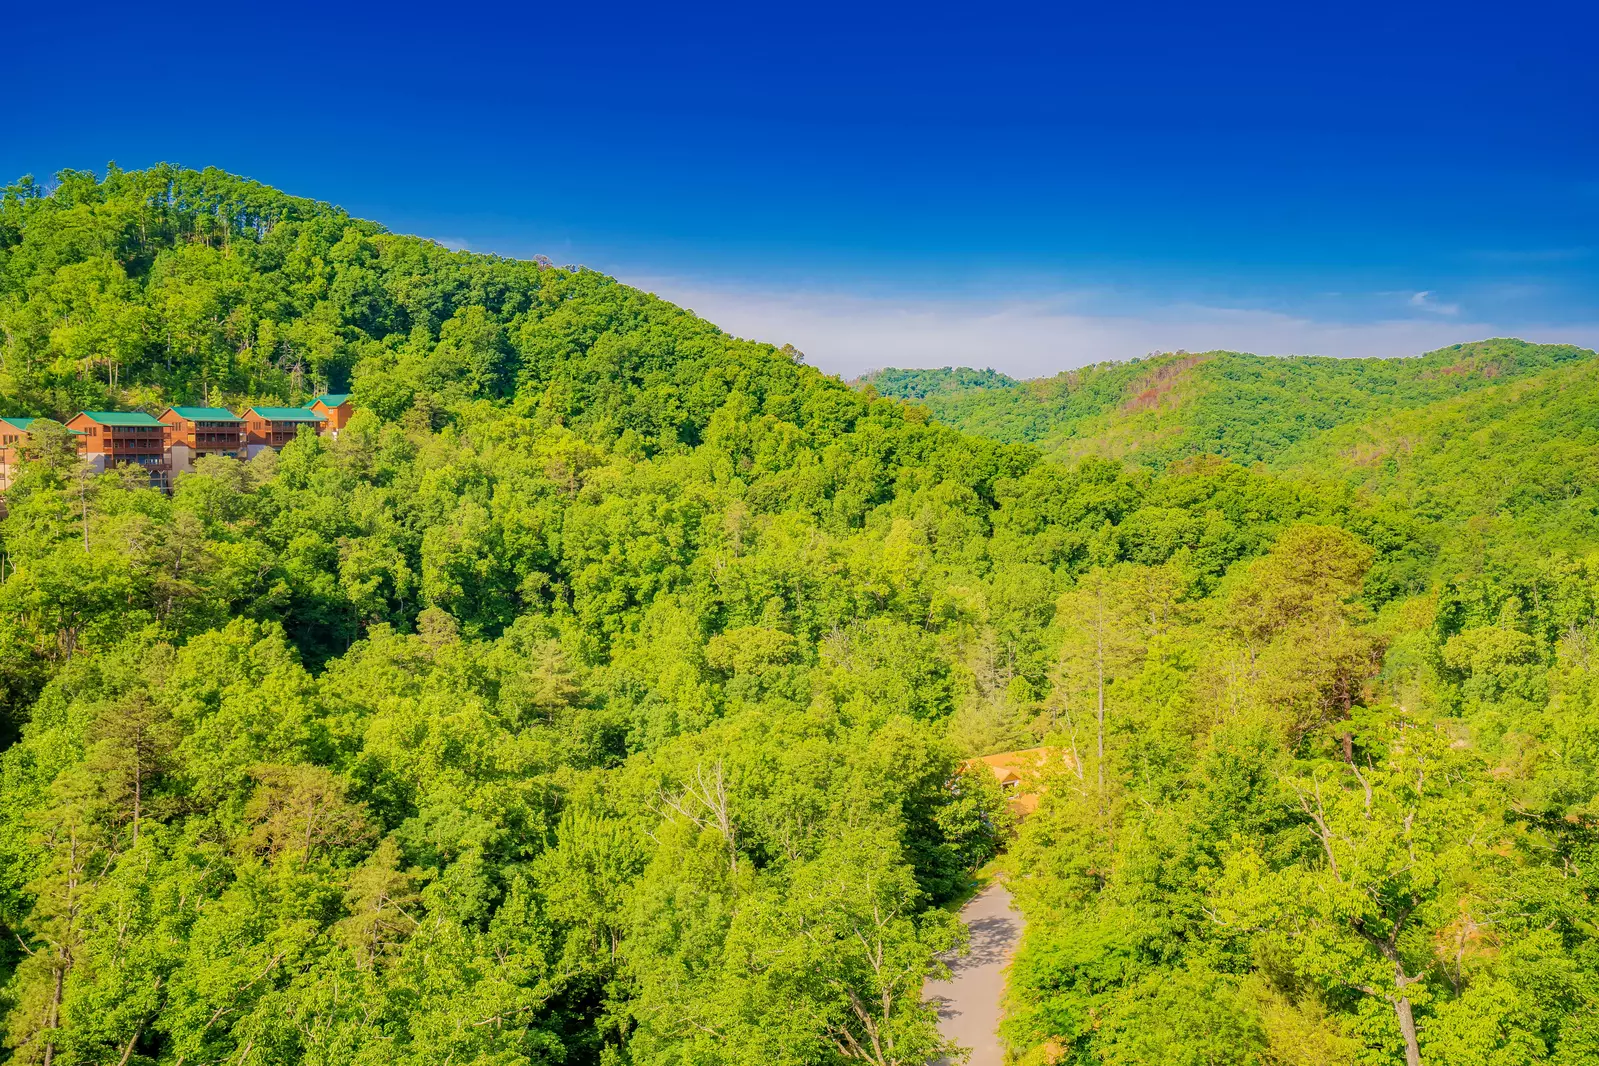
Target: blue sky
x=1029 y=188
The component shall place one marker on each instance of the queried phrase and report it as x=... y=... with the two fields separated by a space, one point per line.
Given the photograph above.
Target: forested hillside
x=1516 y=462
x=1247 y=408
x=598 y=696
x=1397 y=874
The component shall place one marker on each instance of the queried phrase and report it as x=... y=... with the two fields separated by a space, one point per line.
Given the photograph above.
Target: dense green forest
x=598 y=696
x=1249 y=408
x=1436 y=860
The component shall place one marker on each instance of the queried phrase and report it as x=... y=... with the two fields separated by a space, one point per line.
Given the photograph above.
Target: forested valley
x=600 y=694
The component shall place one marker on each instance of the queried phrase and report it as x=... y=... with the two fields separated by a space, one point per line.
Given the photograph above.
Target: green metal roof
x=287 y=414
x=122 y=418
x=206 y=414
x=332 y=399
x=26 y=423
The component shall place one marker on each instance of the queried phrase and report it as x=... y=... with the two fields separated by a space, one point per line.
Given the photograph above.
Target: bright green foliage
x=1247 y=408
x=599 y=695
x=1333 y=801
x=1515 y=462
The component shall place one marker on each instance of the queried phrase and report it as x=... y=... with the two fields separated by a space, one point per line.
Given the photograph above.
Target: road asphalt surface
x=969 y=1003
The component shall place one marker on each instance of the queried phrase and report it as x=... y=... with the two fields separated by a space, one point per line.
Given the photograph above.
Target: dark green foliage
x=919 y=384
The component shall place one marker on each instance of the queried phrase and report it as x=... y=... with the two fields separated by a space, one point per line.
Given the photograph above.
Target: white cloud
x=1426 y=302
x=851 y=333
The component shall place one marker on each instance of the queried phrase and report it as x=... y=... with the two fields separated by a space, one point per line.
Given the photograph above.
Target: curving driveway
x=969 y=1003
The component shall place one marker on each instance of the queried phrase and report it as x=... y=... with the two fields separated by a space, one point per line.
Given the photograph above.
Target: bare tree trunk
x=1407 y=1026
x=127 y=1050
x=1099 y=715
x=54 y=1017
x=711 y=795
x=138 y=789
x=1071 y=728
x=1389 y=948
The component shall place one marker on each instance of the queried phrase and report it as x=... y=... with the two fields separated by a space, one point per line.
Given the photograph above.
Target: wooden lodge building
x=110 y=438
x=335 y=407
x=168 y=446
x=205 y=430
x=193 y=432
x=12 y=431
x=273 y=427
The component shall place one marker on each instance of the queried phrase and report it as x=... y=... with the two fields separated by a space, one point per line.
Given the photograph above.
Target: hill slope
x=171 y=286
x=599 y=696
x=1517 y=461
x=1244 y=407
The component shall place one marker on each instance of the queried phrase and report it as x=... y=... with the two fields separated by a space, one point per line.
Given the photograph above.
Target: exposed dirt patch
x=1158 y=388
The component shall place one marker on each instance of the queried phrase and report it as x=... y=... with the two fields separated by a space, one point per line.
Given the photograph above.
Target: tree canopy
x=599 y=695
x=1249 y=408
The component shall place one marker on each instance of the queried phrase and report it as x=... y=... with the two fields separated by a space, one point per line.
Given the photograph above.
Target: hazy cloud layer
x=848 y=334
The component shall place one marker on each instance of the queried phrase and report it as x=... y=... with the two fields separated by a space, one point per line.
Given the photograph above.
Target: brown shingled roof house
x=1022 y=774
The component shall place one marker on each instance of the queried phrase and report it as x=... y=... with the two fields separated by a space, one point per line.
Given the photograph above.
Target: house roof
x=205 y=414
x=1015 y=763
x=329 y=399
x=287 y=414
x=122 y=418
x=1022 y=774
x=27 y=423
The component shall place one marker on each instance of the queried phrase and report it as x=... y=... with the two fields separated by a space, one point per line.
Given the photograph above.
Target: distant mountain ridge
x=1516 y=465
x=1248 y=408
x=917 y=384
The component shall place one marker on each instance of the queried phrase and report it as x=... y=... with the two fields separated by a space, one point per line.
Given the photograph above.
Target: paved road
x=968 y=1003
